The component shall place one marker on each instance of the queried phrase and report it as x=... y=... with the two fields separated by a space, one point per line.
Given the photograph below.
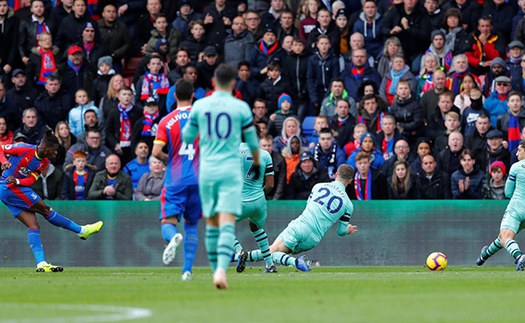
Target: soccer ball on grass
x=437 y=261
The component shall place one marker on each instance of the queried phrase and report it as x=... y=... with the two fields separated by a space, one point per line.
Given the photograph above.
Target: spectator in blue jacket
x=367 y=145
x=359 y=71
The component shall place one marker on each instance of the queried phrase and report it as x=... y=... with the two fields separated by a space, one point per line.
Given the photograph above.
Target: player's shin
x=191 y=242
x=283 y=259
x=262 y=241
x=212 y=236
x=61 y=221
x=168 y=230
x=494 y=247
x=225 y=244
x=33 y=237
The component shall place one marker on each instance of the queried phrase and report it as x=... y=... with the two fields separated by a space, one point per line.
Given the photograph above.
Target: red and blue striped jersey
x=183 y=159
x=24 y=160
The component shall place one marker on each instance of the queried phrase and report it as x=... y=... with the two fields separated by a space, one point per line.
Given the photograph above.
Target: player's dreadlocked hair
x=50 y=139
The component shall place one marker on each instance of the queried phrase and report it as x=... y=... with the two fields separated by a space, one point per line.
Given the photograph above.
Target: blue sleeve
x=341 y=157
x=170 y=99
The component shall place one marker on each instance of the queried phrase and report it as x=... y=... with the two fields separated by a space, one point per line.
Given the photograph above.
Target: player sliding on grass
x=180 y=195
x=328 y=202
x=514 y=217
x=254 y=202
x=20 y=172
x=220 y=120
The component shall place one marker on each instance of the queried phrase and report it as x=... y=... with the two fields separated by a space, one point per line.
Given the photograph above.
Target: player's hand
x=256 y=172
x=11 y=180
x=6 y=165
x=352 y=228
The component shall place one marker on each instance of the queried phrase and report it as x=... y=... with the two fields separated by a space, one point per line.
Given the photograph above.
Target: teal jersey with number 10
x=253 y=189
x=220 y=120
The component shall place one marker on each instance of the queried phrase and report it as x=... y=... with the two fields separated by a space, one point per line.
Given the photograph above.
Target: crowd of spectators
x=422 y=98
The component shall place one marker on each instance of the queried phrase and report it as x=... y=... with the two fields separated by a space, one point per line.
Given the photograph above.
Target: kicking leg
x=489 y=251
x=170 y=233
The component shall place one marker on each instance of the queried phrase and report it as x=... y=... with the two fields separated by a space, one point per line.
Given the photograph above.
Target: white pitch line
x=117 y=313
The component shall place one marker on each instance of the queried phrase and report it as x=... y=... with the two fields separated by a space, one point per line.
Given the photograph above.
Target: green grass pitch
x=327 y=294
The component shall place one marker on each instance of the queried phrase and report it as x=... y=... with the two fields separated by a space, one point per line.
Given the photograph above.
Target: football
x=437 y=261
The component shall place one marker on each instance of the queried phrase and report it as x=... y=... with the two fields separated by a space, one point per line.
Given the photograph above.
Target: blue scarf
x=368 y=186
x=513 y=132
x=75 y=68
x=396 y=77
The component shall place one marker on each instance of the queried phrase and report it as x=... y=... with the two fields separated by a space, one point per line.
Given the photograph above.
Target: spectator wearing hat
x=195 y=42
x=495 y=151
x=496 y=103
x=73 y=72
x=516 y=50
x=498 y=67
x=114 y=36
x=470 y=11
x=22 y=93
x=369 y=184
x=512 y=123
x=369 y=24
x=284 y=110
x=206 y=67
x=92 y=52
x=266 y=51
x=19 y=137
x=484 y=46
x=306 y=175
x=325 y=26
x=99 y=86
x=238 y=44
x=30 y=29
x=43 y=61
x=72 y=27
x=163 y=30
x=218 y=17
x=455 y=35
x=185 y=15
x=440 y=48
x=145 y=128
x=494 y=188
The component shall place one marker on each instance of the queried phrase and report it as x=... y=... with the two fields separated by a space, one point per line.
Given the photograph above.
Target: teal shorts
x=224 y=195
x=513 y=221
x=298 y=237
x=255 y=211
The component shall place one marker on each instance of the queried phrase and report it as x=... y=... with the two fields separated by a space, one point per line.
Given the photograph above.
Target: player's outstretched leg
x=287 y=260
x=514 y=250
x=191 y=242
x=89 y=229
x=173 y=237
x=488 y=251
x=61 y=221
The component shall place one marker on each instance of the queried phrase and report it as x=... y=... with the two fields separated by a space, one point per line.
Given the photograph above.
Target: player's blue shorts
x=255 y=211
x=182 y=200
x=223 y=195
x=298 y=237
x=18 y=198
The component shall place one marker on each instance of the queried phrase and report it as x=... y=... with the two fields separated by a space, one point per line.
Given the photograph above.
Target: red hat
x=74 y=49
x=500 y=164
